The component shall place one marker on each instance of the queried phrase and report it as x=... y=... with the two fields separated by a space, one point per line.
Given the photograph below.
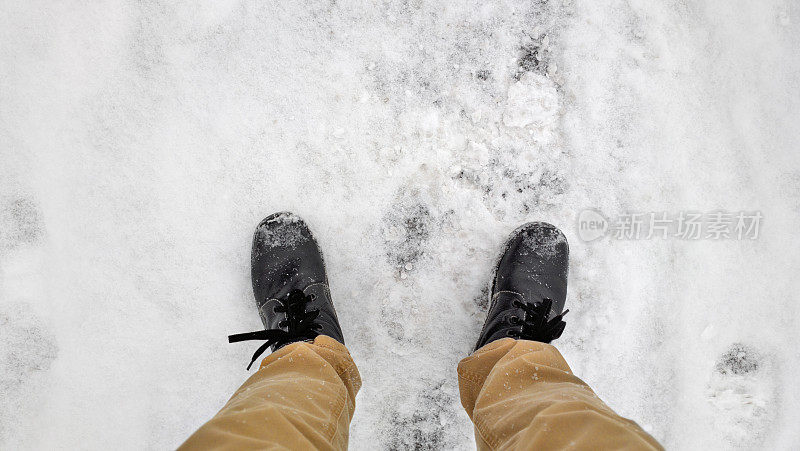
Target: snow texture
x=142 y=141
x=281 y=232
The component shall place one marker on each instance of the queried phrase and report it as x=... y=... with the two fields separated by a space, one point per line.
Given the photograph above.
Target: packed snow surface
x=142 y=141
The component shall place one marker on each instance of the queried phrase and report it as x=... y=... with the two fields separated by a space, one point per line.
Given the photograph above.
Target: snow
x=141 y=142
x=532 y=101
x=282 y=232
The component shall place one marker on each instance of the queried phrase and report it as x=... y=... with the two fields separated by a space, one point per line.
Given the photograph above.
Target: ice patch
x=26 y=349
x=406 y=228
x=19 y=222
x=742 y=391
x=427 y=424
x=532 y=101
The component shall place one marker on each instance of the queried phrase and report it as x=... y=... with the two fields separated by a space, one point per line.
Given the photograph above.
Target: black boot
x=290 y=285
x=529 y=287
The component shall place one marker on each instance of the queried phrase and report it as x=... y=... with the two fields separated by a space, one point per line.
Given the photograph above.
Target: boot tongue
x=296 y=297
x=295 y=306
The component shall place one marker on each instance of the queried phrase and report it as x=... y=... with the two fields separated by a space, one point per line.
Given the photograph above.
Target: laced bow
x=535 y=325
x=300 y=325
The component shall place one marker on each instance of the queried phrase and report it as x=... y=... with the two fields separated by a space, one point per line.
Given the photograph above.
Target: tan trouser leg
x=522 y=395
x=302 y=397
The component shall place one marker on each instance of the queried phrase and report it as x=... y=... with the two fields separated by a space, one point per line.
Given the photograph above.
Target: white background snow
x=142 y=141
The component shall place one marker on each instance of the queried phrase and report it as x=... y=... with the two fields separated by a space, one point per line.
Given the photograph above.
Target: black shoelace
x=535 y=325
x=299 y=325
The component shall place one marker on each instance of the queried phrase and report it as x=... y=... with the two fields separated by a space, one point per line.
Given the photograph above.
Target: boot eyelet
x=513 y=319
x=312 y=296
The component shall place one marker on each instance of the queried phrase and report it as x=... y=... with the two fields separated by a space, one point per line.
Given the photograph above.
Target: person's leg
x=302 y=397
x=516 y=388
x=521 y=394
x=304 y=393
